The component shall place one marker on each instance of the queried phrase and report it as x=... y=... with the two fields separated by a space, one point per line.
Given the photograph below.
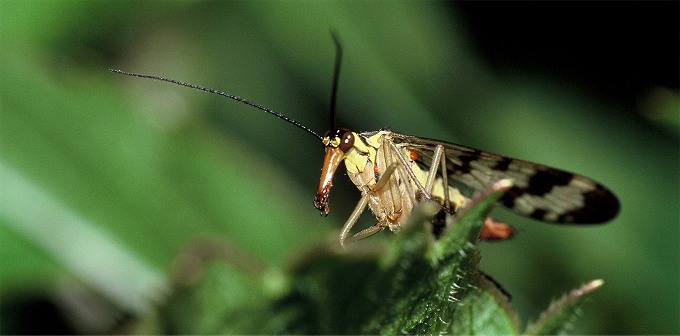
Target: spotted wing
x=544 y=193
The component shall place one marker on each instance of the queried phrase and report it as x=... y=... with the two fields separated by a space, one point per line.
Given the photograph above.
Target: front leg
x=358 y=210
x=361 y=206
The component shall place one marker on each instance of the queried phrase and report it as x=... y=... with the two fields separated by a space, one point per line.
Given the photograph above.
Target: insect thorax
x=392 y=201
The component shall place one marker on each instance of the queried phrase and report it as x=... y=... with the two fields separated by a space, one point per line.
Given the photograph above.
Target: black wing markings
x=541 y=192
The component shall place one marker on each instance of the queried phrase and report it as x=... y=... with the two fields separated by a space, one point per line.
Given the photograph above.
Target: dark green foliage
x=415 y=286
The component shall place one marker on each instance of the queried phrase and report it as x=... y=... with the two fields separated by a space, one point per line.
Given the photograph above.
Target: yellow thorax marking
x=357 y=157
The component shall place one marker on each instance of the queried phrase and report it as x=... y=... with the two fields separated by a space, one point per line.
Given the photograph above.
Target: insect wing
x=544 y=193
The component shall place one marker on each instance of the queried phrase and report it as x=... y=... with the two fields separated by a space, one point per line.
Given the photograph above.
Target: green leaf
x=415 y=286
x=421 y=291
x=486 y=310
x=561 y=313
x=411 y=285
x=328 y=292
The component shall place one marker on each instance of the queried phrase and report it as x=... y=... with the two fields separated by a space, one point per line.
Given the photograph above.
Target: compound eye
x=346 y=141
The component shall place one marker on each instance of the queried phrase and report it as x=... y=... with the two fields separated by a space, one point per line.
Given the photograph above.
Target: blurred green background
x=103 y=178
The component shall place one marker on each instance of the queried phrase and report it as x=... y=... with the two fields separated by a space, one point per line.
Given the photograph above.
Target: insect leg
x=445 y=176
x=409 y=171
x=409 y=187
x=390 y=169
x=384 y=178
x=361 y=206
x=436 y=156
x=358 y=210
x=438 y=159
x=365 y=233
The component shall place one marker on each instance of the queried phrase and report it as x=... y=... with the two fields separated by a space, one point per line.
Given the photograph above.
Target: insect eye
x=347 y=141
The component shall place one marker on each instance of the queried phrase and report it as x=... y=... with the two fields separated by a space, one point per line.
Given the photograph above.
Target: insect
x=394 y=172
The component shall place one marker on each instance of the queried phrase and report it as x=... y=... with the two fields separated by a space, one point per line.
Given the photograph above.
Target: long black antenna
x=336 y=76
x=221 y=93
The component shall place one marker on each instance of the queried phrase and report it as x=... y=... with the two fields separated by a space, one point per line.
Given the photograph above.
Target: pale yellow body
x=389 y=180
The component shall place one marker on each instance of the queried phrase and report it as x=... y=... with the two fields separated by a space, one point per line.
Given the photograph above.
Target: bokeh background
x=103 y=178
